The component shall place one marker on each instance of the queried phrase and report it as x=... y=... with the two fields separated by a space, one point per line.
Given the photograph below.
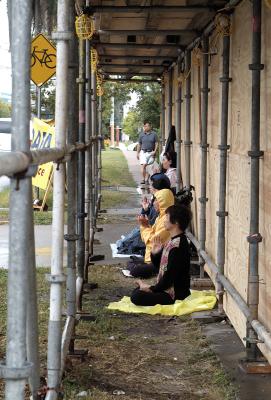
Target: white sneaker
x=127 y=273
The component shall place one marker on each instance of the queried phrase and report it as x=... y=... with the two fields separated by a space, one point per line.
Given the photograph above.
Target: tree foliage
x=148 y=105
x=121 y=94
x=47 y=99
x=132 y=124
x=146 y=108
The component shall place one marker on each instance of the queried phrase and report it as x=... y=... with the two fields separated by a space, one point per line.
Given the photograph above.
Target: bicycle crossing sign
x=43 y=60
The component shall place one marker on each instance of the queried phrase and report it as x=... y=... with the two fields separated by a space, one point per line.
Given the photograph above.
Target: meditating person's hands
x=156 y=244
x=143 y=220
x=143 y=286
x=145 y=203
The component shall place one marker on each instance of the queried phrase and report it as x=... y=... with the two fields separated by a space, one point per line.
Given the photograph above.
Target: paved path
x=133 y=163
x=43 y=240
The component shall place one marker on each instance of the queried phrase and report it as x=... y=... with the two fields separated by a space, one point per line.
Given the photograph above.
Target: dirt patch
x=143 y=357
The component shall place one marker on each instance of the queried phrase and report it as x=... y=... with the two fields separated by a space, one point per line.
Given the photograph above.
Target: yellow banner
x=43 y=137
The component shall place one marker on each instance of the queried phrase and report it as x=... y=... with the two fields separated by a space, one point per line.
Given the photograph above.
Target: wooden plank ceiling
x=143 y=37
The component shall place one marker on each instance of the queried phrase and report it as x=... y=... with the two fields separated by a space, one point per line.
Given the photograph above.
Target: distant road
x=5 y=145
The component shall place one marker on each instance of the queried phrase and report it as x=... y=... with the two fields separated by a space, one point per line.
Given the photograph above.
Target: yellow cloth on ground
x=198 y=301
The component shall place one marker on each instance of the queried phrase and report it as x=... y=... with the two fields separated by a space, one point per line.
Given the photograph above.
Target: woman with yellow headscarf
x=163 y=199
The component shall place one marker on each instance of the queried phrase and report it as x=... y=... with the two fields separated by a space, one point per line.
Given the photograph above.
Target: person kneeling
x=173 y=281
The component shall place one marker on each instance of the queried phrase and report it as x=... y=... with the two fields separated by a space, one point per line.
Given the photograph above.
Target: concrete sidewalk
x=133 y=163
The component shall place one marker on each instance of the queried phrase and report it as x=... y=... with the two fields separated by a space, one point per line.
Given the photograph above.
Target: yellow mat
x=197 y=301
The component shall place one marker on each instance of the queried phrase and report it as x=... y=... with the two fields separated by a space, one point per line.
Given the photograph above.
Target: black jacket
x=177 y=273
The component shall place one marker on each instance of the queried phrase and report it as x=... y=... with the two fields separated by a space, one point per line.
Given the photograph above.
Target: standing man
x=146 y=149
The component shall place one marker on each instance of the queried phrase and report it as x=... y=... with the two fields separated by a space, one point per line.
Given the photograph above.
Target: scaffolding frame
x=82 y=155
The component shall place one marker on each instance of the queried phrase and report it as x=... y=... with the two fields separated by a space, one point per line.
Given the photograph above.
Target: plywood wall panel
x=266 y=81
x=174 y=95
x=214 y=97
x=240 y=107
x=212 y=204
x=238 y=222
x=236 y=268
x=265 y=246
x=195 y=133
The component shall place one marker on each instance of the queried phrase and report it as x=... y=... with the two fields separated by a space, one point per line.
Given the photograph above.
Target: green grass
x=4 y=198
x=111 y=199
x=115 y=170
x=40 y=218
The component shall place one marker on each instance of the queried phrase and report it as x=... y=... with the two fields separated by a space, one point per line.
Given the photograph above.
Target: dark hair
x=184 y=197
x=171 y=156
x=160 y=181
x=179 y=214
x=147 y=122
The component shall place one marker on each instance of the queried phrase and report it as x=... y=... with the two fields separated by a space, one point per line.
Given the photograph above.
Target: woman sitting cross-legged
x=173 y=281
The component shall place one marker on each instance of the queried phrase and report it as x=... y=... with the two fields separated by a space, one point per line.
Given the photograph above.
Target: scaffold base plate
x=255 y=367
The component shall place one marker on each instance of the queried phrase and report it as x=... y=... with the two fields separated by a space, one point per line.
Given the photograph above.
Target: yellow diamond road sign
x=43 y=60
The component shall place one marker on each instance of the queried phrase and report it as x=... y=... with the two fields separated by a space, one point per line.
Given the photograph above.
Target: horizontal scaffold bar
x=148 y=9
x=148 y=32
x=135 y=57
x=138 y=45
x=14 y=162
x=259 y=328
x=132 y=80
x=131 y=65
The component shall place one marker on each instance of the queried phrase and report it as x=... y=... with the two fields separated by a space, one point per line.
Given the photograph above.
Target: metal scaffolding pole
x=16 y=370
x=90 y=183
x=32 y=328
x=169 y=110
x=81 y=164
x=187 y=141
x=100 y=151
x=71 y=236
x=163 y=110
x=94 y=133
x=88 y=158
x=223 y=147
x=254 y=236
x=204 y=147
x=179 y=182
x=57 y=277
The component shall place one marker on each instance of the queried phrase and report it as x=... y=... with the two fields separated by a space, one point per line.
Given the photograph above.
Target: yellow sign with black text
x=43 y=60
x=43 y=137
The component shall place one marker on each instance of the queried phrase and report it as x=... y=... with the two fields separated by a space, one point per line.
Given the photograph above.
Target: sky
x=5 y=63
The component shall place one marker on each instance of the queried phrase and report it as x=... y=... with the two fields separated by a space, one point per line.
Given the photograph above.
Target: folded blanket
x=197 y=301
x=115 y=253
